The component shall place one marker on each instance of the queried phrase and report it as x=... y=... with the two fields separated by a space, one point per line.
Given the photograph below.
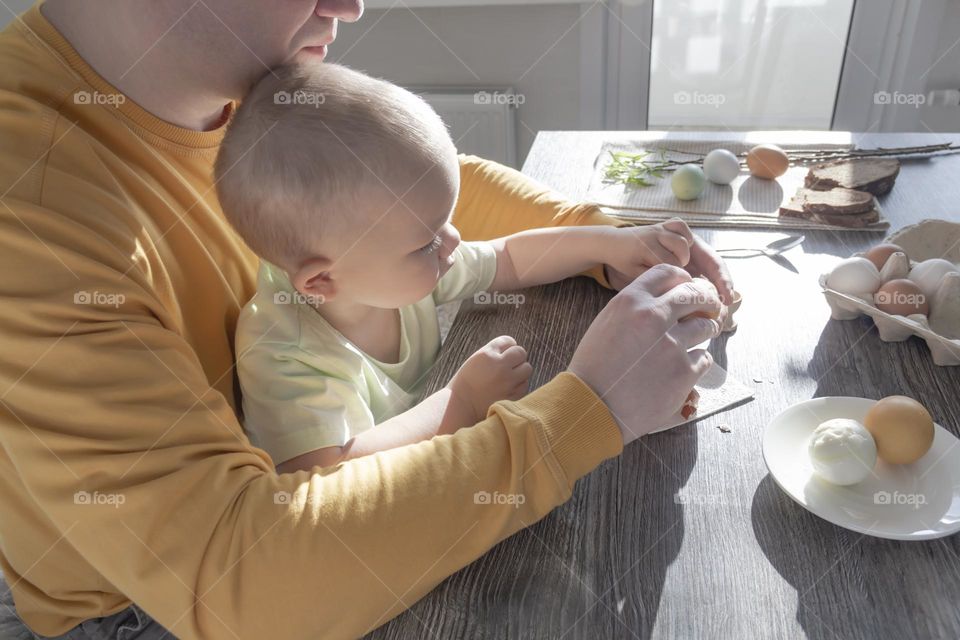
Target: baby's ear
x=314 y=280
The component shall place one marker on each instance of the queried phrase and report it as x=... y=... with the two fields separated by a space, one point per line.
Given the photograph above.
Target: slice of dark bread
x=854 y=220
x=873 y=175
x=837 y=201
x=840 y=209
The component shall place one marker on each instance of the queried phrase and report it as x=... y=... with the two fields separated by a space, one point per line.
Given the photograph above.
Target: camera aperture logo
x=512 y=499
x=915 y=300
x=498 y=297
x=688 y=98
x=309 y=98
x=896 y=98
x=499 y=97
x=98 y=98
x=897 y=498
x=295 y=297
x=115 y=500
x=99 y=298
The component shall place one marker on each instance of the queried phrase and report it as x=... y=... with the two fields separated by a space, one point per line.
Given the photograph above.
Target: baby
x=344 y=185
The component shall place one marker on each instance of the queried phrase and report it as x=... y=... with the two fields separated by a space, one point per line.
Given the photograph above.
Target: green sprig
x=636 y=169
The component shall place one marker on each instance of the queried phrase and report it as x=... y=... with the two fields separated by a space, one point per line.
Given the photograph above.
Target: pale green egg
x=688 y=182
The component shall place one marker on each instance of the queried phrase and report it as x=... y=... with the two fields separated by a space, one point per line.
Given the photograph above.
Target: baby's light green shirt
x=305 y=386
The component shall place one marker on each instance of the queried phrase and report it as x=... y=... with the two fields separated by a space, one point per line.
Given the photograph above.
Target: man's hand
x=634 y=355
x=498 y=371
x=670 y=242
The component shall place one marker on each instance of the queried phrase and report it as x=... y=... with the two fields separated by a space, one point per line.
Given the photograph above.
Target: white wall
x=535 y=49
x=945 y=73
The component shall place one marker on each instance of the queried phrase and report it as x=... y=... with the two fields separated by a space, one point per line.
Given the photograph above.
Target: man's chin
x=311 y=54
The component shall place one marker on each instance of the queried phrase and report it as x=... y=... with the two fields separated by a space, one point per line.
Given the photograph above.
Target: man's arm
x=209 y=540
x=497 y=201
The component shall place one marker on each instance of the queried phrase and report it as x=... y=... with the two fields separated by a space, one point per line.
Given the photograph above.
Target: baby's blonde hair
x=307 y=142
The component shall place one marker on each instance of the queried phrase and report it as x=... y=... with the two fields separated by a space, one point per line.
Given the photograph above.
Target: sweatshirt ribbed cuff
x=576 y=424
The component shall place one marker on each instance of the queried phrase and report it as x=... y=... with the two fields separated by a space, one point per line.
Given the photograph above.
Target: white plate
x=919 y=501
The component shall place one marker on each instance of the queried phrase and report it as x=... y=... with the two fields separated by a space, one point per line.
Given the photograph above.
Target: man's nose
x=346 y=10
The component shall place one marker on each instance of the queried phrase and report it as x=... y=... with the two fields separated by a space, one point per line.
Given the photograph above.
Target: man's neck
x=108 y=39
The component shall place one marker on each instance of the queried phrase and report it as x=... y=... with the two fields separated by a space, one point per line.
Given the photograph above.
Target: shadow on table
x=646 y=532
x=854 y=586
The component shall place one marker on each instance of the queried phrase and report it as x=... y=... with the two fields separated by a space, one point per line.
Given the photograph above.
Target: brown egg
x=878 y=255
x=767 y=161
x=902 y=429
x=901 y=298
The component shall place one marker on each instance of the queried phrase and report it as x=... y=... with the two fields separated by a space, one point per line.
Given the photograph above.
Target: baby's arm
x=540 y=256
x=498 y=371
x=436 y=415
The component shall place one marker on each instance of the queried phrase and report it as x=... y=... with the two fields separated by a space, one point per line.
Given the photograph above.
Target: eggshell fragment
x=902 y=429
x=767 y=161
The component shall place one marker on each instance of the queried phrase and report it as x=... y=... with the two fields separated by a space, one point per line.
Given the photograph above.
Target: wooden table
x=686 y=535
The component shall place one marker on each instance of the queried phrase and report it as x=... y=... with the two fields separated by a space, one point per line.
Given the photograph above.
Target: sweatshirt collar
x=37 y=27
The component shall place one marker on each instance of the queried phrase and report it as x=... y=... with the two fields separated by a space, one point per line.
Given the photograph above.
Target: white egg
x=928 y=274
x=842 y=451
x=854 y=276
x=721 y=166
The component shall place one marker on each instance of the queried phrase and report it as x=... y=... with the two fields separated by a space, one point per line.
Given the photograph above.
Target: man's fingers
x=706 y=262
x=694 y=297
x=692 y=331
x=700 y=361
x=658 y=280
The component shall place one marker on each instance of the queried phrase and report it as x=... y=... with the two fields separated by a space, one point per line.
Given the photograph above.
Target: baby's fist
x=498 y=371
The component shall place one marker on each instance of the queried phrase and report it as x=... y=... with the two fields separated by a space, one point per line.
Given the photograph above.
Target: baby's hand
x=636 y=249
x=498 y=371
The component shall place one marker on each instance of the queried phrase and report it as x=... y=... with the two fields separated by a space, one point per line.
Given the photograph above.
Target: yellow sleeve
x=106 y=398
x=496 y=201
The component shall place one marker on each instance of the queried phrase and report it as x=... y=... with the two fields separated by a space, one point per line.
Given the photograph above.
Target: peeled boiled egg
x=901 y=298
x=767 y=161
x=878 y=255
x=688 y=182
x=842 y=451
x=902 y=428
x=928 y=274
x=721 y=166
x=854 y=276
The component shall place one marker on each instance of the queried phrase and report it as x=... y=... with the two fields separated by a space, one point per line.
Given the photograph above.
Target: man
x=125 y=476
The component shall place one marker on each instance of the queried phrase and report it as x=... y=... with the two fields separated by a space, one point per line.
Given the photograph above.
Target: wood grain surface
x=686 y=535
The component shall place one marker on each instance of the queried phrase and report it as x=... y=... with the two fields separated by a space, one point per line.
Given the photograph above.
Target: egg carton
x=922 y=241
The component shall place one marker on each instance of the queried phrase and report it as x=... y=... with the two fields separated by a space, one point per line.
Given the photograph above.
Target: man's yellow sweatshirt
x=124 y=472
